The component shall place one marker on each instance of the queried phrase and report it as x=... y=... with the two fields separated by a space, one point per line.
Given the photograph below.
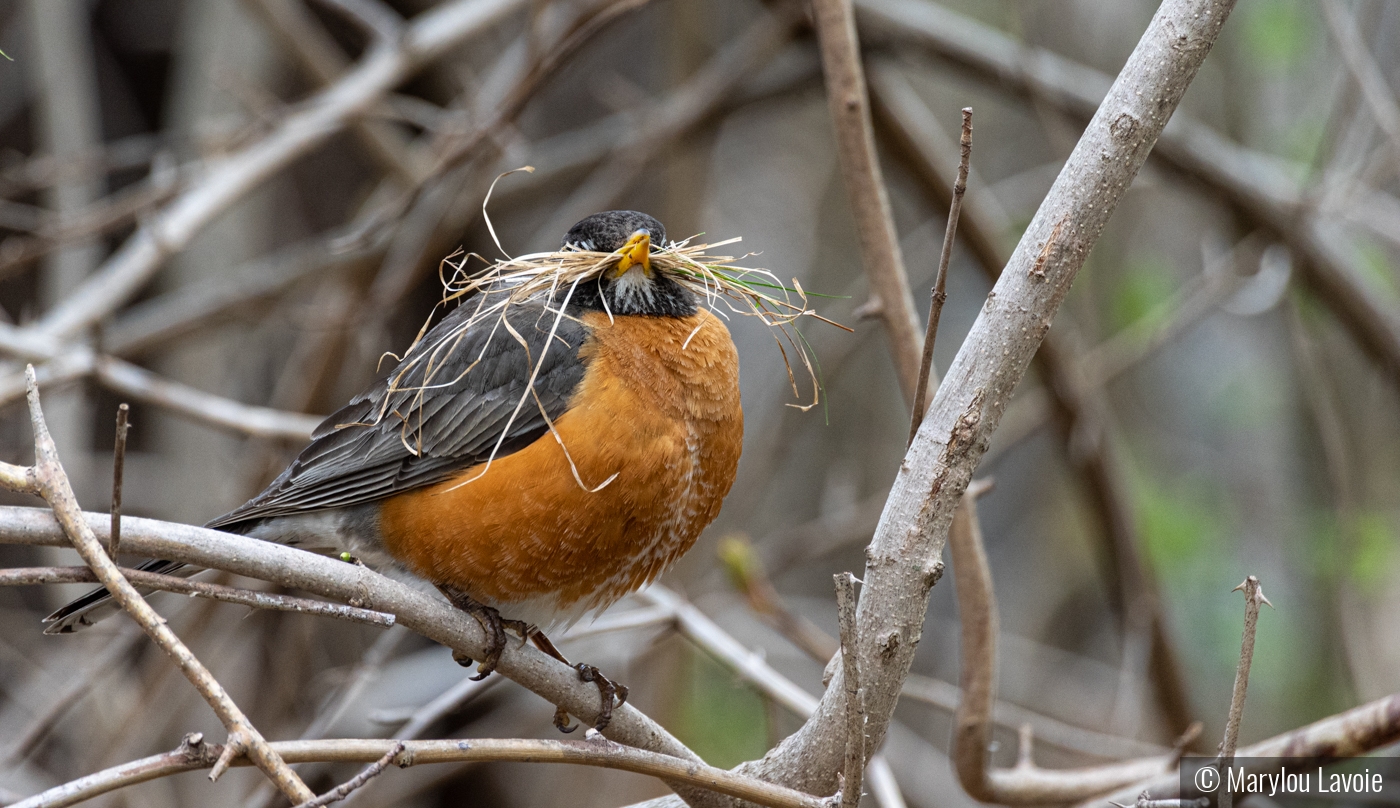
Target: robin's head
x=631 y=286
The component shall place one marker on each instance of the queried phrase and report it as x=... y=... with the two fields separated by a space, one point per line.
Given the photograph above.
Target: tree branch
x=27 y=576
x=194 y=754
x=870 y=203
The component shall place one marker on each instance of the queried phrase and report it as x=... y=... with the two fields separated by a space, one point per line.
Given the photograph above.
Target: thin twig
x=118 y=466
x=1253 y=596
x=854 y=769
x=370 y=772
x=476 y=750
x=940 y=284
x=870 y=205
x=47 y=479
x=25 y=576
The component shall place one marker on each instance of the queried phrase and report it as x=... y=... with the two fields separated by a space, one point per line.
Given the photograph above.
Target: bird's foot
x=494 y=626
x=608 y=690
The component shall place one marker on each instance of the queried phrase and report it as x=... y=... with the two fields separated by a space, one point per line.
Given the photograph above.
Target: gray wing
x=447 y=406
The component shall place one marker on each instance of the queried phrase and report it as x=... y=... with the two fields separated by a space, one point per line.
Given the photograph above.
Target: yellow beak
x=636 y=251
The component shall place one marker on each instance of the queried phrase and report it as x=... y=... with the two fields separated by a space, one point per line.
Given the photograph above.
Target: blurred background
x=1217 y=398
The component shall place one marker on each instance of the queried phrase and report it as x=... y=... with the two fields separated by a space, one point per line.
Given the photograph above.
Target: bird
x=528 y=516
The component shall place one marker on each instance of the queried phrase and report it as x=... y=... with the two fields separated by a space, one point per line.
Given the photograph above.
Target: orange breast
x=666 y=420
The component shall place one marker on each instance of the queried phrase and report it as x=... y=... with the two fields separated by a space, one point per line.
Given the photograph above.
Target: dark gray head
x=611 y=229
x=632 y=286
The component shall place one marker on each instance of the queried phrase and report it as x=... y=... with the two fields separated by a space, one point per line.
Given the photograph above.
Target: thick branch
x=1082 y=415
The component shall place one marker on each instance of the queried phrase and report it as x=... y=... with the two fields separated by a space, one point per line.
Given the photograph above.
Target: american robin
x=542 y=500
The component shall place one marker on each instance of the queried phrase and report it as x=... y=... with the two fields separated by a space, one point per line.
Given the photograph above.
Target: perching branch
x=1026 y=783
x=47 y=479
x=357 y=585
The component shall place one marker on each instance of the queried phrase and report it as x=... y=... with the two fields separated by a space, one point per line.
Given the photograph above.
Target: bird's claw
x=607 y=690
x=494 y=626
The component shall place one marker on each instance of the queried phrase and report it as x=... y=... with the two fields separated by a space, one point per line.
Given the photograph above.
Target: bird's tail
x=98 y=604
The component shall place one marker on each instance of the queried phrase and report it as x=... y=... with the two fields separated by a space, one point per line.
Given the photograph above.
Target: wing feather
x=446 y=407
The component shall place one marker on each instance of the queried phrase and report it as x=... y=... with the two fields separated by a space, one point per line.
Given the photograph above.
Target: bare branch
x=143 y=385
x=228 y=180
x=1082 y=416
x=870 y=204
x=1253 y=596
x=601 y=753
x=992 y=360
x=26 y=576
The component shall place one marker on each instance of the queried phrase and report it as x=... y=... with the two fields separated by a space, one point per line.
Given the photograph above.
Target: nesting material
x=721 y=286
